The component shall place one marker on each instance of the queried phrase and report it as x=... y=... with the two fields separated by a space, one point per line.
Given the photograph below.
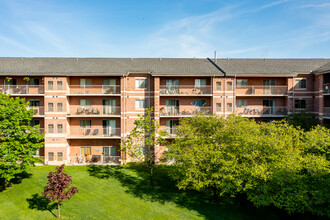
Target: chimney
x=215 y=56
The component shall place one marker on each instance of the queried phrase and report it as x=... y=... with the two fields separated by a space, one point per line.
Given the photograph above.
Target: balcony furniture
x=96 y=111
x=80 y=110
x=80 y=160
x=96 y=131
x=89 y=110
x=88 y=131
x=258 y=111
x=96 y=158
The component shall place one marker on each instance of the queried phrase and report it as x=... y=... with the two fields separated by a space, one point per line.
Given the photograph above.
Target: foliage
x=18 y=140
x=141 y=144
x=57 y=188
x=304 y=120
x=271 y=163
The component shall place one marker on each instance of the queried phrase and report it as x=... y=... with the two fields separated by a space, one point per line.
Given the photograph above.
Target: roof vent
x=131 y=59
x=160 y=59
x=215 y=56
x=227 y=58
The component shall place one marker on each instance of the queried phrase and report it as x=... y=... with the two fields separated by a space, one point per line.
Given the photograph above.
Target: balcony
x=326 y=112
x=92 y=159
x=94 y=133
x=22 y=90
x=97 y=111
x=171 y=132
x=185 y=91
x=176 y=112
x=262 y=111
x=100 y=90
x=326 y=89
x=262 y=91
x=38 y=111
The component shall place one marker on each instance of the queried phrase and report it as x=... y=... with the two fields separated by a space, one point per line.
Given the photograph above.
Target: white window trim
x=145 y=78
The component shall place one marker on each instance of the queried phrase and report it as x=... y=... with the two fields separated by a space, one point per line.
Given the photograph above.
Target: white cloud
x=315 y=6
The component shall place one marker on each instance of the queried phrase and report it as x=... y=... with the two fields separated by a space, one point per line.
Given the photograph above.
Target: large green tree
x=142 y=142
x=304 y=120
x=18 y=140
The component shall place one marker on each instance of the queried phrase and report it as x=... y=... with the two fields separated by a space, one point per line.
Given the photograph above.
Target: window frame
x=50 y=109
x=300 y=104
x=138 y=106
x=227 y=86
x=85 y=82
x=49 y=129
x=50 y=85
x=218 y=88
x=59 y=87
x=298 y=85
x=53 y=156
x=138 y=86
x=242 y=85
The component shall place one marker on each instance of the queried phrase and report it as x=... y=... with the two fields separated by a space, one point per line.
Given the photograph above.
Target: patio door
x=109 y=152
x=109 y=86
x=269 y=107
x=171 y=126
x=172 y=106
x=109 y=127
x=172 y=86
x=268 y=86
x=10 y=87
x=109 y=106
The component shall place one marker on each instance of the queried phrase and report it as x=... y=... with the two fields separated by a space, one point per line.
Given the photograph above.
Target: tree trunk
x=58 y=210
x=151 y=174
x=215 y=194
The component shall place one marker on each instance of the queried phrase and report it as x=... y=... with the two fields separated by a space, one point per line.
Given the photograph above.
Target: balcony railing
x=326 y=88
x=91 y=159
x=22 y=89
x=38 y=110
x=185 y=90
x=262 y=90
x=176 y=111
x=97 y=110
x=94 y=89
x=94 y=132
x=326 y=112
x=262 y=111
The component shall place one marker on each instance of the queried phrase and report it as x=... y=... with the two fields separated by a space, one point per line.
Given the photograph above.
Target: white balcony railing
x=185 y=90
x=262 y=90
x=22 y=89
x=95 y=110
x=94 y=89
x=176 y=111
x=38 y=110
x=94 y=132
x=261 y=111
x=83 y=159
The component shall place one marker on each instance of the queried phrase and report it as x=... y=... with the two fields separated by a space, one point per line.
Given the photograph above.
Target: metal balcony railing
x=176 y=111
x=38 y=110
x=326 y=88
x=261 y=90
x=326 y=111
x=262 y=111
x=185 y=90
x=94 y=89
x=83 y=159
x=22 y=89
x=94 y=132
x=95 y=110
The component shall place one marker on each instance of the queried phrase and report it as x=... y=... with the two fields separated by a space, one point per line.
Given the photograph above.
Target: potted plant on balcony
x=27 y=79
x=8 y=79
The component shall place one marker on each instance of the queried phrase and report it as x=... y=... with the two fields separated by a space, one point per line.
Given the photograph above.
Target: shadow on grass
x=165 y=190
x=41 y=203
x=17 y=180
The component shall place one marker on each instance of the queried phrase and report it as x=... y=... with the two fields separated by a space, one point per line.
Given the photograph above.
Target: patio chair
x=258 y=111
x=96 y=131
x=88 y=131
x=95 y=111
x=90 y=110
x=80 y=160
x=80 y=110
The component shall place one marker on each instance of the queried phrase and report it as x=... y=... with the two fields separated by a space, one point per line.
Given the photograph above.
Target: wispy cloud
x=315 y=6
x=18 y=45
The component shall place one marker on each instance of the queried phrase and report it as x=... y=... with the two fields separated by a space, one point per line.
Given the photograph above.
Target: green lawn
x=121 y=192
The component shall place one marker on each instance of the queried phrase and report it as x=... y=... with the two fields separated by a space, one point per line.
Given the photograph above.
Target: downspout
x=213 y=104
x=293 y=107
x=124 y=156
x=224 y=97
x=234 y=95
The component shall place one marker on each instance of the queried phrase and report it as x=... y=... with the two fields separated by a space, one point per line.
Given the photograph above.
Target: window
x=229 y=107
x=50 y=156
x=84 y=151
x=59 y=128
x=218 y=86
x=34 y=103
x=34 y=122
x=85 y=83
x=60 y=107
x=300 y=104
x=85 y=102
x=59 y=156
x=229 y=86
x=140 y=83
x=242 y=83
x=171 y=126
x=140 y=104
x=50 y=107
x=200 y=103
x=50 y=128
x=218 y=107
x=300 y=83
x=59 y=85
x=50 y=85
x=85 y=123
x=241 y=103
x=199 y=83
x=34 y=82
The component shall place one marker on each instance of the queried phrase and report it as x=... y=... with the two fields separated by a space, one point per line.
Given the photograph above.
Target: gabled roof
x=106 y=66
x=323 y=69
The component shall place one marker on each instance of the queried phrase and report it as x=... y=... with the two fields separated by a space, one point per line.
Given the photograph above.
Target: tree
x=18 y=140
x=304 y=120
x=57 y=188
x=141 y=142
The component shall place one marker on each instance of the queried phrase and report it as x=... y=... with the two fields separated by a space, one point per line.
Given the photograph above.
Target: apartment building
x=86 y=106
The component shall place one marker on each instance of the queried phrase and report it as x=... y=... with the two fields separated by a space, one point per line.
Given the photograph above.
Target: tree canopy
x=18 y=140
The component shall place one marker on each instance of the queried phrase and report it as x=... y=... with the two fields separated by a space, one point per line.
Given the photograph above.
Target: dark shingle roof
x=160 y=67
x=106 y=66
x=323 y=69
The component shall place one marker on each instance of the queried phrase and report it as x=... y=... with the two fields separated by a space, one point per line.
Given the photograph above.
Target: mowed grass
x=122 y=192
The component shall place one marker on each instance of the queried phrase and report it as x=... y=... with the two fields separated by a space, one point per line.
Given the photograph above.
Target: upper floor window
x=34 y=82
x=218 y=86
x=85 y=102
x=85 y=83
x=140 y=83
x=50 y=128
x=300 y=104
x=301 y=83
x=242 y=83
x=229 y=107
x=229 y=86
x=34 y=103
x=241 y=103
x=60 y=107
x=200 y=103
x=50 y=107
x=85 y=123
x=59 y=85
x=50 y=85
x=140 y=104
x=218 y=107
x=59 y=128
x=199 y=83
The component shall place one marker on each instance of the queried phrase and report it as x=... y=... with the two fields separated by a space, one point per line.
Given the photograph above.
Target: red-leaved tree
x=57 y=188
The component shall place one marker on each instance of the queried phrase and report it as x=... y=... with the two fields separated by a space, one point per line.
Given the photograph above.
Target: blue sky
x=165 y=28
